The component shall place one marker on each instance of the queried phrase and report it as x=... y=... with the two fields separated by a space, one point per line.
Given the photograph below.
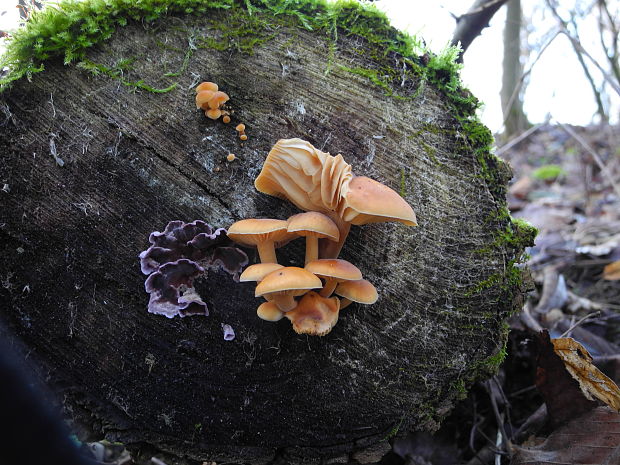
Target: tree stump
x=94 y=160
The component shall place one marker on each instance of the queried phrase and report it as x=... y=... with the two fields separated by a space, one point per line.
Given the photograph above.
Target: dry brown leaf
x=593 y=383
x=593 y=438
x=611 y=272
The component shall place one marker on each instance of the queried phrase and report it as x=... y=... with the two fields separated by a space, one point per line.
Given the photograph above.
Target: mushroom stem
x=328 y=288
x=331 y=249
x=285 y=302
x=312 y=248
x=267 y=252
x=344 y=302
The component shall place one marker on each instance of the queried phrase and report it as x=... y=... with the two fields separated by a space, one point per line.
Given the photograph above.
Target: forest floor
x=567 y=184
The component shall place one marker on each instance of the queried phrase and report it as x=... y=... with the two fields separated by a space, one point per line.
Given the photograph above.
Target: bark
x=92 y=165
x=470 y=25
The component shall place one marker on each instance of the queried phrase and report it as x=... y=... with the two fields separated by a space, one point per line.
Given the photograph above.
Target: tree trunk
x=94 y=163
x=515 y=120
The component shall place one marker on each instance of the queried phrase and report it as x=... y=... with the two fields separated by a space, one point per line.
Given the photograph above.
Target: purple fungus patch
x=195 y=241
x=229 y=332
x=178 y=255
x=231 y=260
x=172 y=290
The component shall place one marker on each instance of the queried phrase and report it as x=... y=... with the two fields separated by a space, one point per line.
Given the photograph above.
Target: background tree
x=515 y=120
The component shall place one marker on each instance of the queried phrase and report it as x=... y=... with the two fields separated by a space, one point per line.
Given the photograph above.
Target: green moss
x=459 y=386
x=548 y=172
x=402 y=182
x=242 y=30
x=394 y=431
x=116 y=72
x=71 y=27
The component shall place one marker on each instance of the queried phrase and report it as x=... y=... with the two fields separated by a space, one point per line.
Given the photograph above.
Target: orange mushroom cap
x=334 y=271
x=258 y=271
x=252 y=231
x=334 y=268
x=314 y=315
x=207 y=86
x=360 y=291
x=313 y=224
x=369 y=201
x=202 y=99
x=218 y=99
x=213 y=113
x=269 y=311
x=290 y=278
x=263 y=233
x=283 y=285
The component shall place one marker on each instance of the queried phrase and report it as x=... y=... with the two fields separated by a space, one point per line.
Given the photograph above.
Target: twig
x=597 y=359
x=528 y=320
x=498 y=418
x=577 y=323
x=511 y=143
x=580 y=50
x=595 y=156
x=482 y=8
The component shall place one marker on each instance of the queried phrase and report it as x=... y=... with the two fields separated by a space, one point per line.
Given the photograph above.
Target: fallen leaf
x=611 y=272
x=563 y=396
x=593 y=383
x=593 y=438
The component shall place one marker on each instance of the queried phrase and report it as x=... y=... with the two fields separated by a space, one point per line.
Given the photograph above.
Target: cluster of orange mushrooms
x=333 y=198
x=210 y=99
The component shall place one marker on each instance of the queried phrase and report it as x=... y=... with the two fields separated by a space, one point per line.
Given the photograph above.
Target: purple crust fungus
x=178 y=255
x=172 y=290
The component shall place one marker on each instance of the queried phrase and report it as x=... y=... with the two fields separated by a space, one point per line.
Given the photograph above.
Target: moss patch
x=71 y=27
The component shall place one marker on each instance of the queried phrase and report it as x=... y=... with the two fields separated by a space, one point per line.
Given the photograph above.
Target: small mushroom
x=314 y=315
x=313 y=226
x=202 y=99
x=360 y=291
x=213 y=113
x=333 y=271
x=218 y=99
x=212 y=86
x=261 y=233
x=269 y=311
x=283 y=285
x=258 y=271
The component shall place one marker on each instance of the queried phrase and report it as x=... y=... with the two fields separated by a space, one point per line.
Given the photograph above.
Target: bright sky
x=557 y=86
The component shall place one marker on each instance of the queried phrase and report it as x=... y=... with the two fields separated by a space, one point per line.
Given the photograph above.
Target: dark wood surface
x=133 y=160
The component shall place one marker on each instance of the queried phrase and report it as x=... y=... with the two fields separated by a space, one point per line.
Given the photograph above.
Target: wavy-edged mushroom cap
x=207 y=86
x=333 y=270
x=360 y=291
x=314 y=315
x=313 y=226
x=218 y=99
x=202 y=99
x=369 y=201
x=312 y=180
x=258 y=271
x=269 y=311
x=262 y=233
x=285 y=284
